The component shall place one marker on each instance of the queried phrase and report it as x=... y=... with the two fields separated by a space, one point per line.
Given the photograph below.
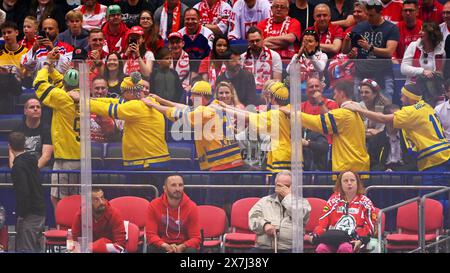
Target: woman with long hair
x=113 y=73
x=43 y=9
x=225 y=92
x=152 y=40
x=348 y=219
x=373 y=100
x=423 y=62
x=213 y=65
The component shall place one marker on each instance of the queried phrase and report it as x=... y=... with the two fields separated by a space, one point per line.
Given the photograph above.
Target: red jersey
x=333 y=32
x=27 y=43
x=433 y=13
x=289 y=25
x=357 y=217
x=392 y=11
x=116 y=41
x=407 y=36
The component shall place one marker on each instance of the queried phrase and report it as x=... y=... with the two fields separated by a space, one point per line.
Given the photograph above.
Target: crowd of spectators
x=175 y=43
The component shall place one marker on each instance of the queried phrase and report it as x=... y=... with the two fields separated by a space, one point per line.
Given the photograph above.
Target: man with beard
x=108 y=230
x=172 y=220
x=242 y=80
x=37 y=55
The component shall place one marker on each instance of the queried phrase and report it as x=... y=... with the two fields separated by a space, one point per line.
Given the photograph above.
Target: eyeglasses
x=425 y=58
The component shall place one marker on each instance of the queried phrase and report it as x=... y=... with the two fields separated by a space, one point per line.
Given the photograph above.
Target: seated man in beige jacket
x=272 y=216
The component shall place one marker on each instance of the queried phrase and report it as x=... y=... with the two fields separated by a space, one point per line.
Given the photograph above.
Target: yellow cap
x=279 y=91
x=132 y=83
x=202 y=88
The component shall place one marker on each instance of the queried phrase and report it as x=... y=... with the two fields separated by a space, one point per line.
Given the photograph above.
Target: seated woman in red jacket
x=348 y=210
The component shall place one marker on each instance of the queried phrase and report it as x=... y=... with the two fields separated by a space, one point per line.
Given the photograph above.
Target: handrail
x=422 y=230
x=402 y=187
x=380 y=215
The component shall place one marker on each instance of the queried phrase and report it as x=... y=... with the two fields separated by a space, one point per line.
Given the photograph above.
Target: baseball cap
x=136 y=30
x=79 y=53
x=175 y=35
x=113 y=9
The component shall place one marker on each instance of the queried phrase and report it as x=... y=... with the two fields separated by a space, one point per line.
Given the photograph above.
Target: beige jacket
x=269 y=209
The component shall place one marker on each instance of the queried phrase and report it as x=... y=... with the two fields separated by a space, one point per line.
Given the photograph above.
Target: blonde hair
x=74 y=15
x=33 y=19
x=230 y=86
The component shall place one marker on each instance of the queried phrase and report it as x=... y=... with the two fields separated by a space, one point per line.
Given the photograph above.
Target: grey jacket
x=269 y=209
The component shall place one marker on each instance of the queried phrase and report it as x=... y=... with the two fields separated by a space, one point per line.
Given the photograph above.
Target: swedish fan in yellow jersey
x=65 y=129
x=216 y=151
x=143 y=145
x=348 y=132
x=421 y=127
x=10 y=69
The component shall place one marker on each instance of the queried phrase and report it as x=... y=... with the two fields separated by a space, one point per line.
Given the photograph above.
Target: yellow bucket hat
x=279 y=90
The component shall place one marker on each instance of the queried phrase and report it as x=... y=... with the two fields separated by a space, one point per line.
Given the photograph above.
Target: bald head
x=50 y=26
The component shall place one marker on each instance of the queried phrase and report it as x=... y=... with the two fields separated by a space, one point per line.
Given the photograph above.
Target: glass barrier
x=229 y=127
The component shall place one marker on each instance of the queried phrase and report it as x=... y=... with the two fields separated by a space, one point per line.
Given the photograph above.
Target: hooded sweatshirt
x=114 y=40
x=108 y=232
x=80 y=40
x=173 y=225
x=27 y=185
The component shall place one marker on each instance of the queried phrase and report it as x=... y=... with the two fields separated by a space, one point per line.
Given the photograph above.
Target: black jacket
x=245 y=86
x=379 y=149
x=315 y=154
x=27 y=185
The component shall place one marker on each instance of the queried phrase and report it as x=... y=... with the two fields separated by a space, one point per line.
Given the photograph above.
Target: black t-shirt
x=35 y=138
x=130 y=14
x=347 y=9
x=300 y=15
x=378 y=37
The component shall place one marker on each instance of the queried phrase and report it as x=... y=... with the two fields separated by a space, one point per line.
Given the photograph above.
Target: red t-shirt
x=294 y=27
x=434 y=13
x=392 y=11
x=406 y=37
x=333 y=32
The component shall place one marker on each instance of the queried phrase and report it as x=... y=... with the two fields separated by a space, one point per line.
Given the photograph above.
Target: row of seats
x=109 y=155
x=217 y=236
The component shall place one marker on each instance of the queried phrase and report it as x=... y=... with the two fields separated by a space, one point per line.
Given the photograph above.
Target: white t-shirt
x=242 y=17
x=444 y=30
x=443 y=112
x=132 y=65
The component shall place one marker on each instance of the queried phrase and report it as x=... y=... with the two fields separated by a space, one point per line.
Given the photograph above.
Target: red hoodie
x=173 y=225
x=109 y=228
x=116 y=41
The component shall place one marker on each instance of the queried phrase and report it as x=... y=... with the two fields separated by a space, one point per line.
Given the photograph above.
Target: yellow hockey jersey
x=12 y=58
x=66 y=115
x=277 y=125
x=144 y=143
x=349 y=139
x=212 y=146
x=423 y=128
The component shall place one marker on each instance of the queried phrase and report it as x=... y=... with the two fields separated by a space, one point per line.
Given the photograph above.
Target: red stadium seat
x=66 y=209
x=317 y=205
x=133 y=209
x=407 y=237
x=213 y=223
x=241 y=237
x=4 y=238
